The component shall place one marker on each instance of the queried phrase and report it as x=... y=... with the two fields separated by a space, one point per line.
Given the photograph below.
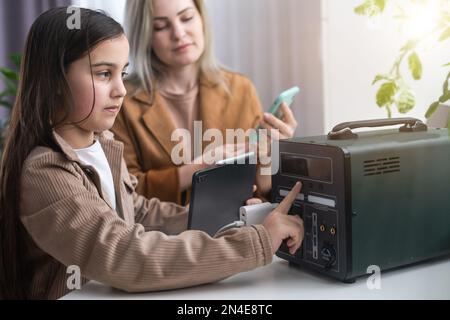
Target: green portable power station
x=378 y=198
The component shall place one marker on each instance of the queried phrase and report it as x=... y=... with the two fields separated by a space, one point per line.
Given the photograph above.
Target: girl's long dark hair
x=42 y=103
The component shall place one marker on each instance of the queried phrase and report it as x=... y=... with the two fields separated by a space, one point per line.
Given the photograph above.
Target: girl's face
x=109 y=61
x=178 y=38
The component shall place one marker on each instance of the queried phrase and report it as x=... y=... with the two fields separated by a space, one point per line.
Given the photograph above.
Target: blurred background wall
x=321 y=46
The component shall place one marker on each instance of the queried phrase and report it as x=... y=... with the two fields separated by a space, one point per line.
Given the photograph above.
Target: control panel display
x=307 y=167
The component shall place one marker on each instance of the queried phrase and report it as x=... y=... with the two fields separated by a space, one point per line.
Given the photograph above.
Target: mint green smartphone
x=287 y=97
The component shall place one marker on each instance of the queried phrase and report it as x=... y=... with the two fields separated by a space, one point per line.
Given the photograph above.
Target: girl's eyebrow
x=107 y=64
x=179 y=13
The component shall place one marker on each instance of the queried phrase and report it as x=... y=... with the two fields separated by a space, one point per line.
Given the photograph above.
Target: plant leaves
x=363 y=8
x=371 y=8
x=406 y=101
x=411 y=44
x=9 y=74
x=381 y=4
x=9 y=92
x=415 y=66
x=380 y=77
x=445 y=35
x=11 y=86
x=445 y=86
x=16 y=59
x=445 y=97
x=389 y=112
x=386 y=93
x=432 y=109
x=6 y=103
x=448 y=126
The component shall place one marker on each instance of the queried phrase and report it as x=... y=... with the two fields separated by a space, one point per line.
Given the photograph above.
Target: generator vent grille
x=381 y=166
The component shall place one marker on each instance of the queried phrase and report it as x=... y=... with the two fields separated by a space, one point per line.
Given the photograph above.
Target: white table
x=279 y=281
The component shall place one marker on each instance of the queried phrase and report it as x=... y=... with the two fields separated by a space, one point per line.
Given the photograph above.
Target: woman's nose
x=178 y=31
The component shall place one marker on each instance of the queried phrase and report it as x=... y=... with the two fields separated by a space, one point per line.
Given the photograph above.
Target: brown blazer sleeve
x=254 y=105
x=160 y=183
x=77 y=227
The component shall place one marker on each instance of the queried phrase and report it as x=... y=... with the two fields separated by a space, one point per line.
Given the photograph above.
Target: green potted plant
x=8 y=95
x=394 y=89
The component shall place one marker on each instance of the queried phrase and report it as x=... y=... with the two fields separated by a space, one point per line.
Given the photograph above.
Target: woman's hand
x=208 y=160
x=282 y=226
x=210 y=157
x=284 y=128
x=253 y=201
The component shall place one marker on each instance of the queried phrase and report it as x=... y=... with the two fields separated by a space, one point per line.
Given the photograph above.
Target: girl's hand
x=285 y=128
x=282 y=226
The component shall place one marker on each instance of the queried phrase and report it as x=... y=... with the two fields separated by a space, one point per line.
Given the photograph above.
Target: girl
x=176 y=81
x=66 y=197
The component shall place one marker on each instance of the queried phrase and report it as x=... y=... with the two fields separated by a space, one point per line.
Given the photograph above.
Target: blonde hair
x=146 y=65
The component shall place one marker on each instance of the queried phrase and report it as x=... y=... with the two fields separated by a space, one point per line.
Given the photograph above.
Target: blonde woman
x=176 y=81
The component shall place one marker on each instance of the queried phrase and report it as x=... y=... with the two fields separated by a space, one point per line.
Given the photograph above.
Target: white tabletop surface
x=279 y=281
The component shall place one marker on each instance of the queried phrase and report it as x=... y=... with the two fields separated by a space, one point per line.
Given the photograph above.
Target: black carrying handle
x=343 y=131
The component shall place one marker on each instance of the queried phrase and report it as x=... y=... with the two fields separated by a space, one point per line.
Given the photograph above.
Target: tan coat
x=146 y=130
x=139 y=247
